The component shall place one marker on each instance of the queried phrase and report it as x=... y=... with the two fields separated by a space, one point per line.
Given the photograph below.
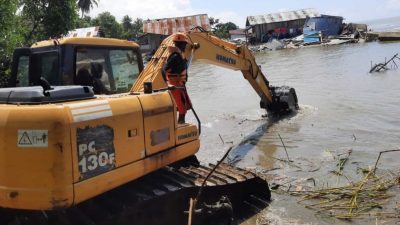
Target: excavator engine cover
x=37 y=95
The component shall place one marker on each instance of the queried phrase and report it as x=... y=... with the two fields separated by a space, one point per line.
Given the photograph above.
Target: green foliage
x=36 y=20
x=10 y=36
x=110 y=26
x=86 y=5
x=24 y=22
x=132 y=30
x=213 y=21
x=44 y=19
x=222 y=29
x=86 y=21
x=59 y=18
x=138 y=27
x=127 y=23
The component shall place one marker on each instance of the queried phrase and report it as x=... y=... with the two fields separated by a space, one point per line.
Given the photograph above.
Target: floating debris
x=380 y=154
x=357 y=199
x=384 y=66
x=354 y=200
x=343 y=158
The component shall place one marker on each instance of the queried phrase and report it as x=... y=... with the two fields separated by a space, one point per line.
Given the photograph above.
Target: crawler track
x=158 y=198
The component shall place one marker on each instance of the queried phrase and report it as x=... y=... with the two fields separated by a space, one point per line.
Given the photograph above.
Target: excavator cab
x=108 y=69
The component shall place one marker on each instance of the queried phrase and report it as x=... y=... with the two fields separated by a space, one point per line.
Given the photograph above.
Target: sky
x=236 y=11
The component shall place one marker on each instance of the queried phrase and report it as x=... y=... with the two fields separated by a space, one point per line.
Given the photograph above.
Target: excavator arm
x=206 y=47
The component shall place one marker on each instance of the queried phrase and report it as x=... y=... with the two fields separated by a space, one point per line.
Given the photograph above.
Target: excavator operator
x=175 y=73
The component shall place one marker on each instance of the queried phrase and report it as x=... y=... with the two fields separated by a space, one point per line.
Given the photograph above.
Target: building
x=283 y=24
x=156 y=30
x=86 y=32
x=239 y=34
x=351 y=28
x=150 y=42
x=328 y=25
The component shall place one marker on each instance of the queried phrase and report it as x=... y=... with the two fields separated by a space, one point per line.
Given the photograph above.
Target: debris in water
x=357 y=199
x=223 y=142
x=383 y=152
x=354 y=200
x=341 y=162
x=384 y=66
x=284 y=146
x=354 y=138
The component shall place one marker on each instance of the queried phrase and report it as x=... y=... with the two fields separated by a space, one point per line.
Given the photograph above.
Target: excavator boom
x=206 y=47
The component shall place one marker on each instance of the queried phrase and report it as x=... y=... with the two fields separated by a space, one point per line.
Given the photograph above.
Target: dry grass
x=356 y=200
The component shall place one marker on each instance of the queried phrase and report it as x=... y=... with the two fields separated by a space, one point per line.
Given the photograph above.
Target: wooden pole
x=190 y=211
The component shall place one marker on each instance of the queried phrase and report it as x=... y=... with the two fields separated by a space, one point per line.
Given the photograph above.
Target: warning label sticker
x=33 y=138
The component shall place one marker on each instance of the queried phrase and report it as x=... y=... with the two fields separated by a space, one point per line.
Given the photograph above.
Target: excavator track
x=161 y=197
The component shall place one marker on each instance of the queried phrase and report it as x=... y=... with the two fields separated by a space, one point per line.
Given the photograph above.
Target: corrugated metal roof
x=168 y=26
x=85 y=32
x=282 y=16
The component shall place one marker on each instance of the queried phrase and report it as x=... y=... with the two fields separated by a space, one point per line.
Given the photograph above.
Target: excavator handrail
x=191 y=106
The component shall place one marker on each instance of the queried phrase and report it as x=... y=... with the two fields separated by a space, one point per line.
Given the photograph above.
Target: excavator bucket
x=284 y=101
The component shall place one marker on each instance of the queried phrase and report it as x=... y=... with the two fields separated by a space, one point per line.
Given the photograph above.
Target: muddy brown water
x=342 y=107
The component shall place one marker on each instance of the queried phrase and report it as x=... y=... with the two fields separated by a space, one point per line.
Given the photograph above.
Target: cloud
x=145 y=9
x=230 y=16
x=282 y=10
x=393 y=4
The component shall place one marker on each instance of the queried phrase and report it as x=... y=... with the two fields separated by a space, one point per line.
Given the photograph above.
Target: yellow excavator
x=90 y=136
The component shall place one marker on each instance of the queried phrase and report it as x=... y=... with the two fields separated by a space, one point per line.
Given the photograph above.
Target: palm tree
x=86 y=5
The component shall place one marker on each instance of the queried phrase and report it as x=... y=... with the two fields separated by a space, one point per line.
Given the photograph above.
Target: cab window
x=30 y=65
x=23 y=71
x=49 y=67
x=46 y=65
x=107 y=70
x=125 y=68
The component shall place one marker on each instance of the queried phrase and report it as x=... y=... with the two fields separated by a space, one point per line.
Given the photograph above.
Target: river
x=342 y=107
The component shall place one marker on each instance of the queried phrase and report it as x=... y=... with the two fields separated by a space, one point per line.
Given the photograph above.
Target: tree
x=127 y=27
x=110 y=26
x=60 y=18
x=45 y=19
x=213 y=21
x=10 y=37
x=222 y=29
x=86 y=5
x=10 y=32
x=23 y=22
x=131 y=30
x=137 y=27
x=86 y=21
x=127 y=23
